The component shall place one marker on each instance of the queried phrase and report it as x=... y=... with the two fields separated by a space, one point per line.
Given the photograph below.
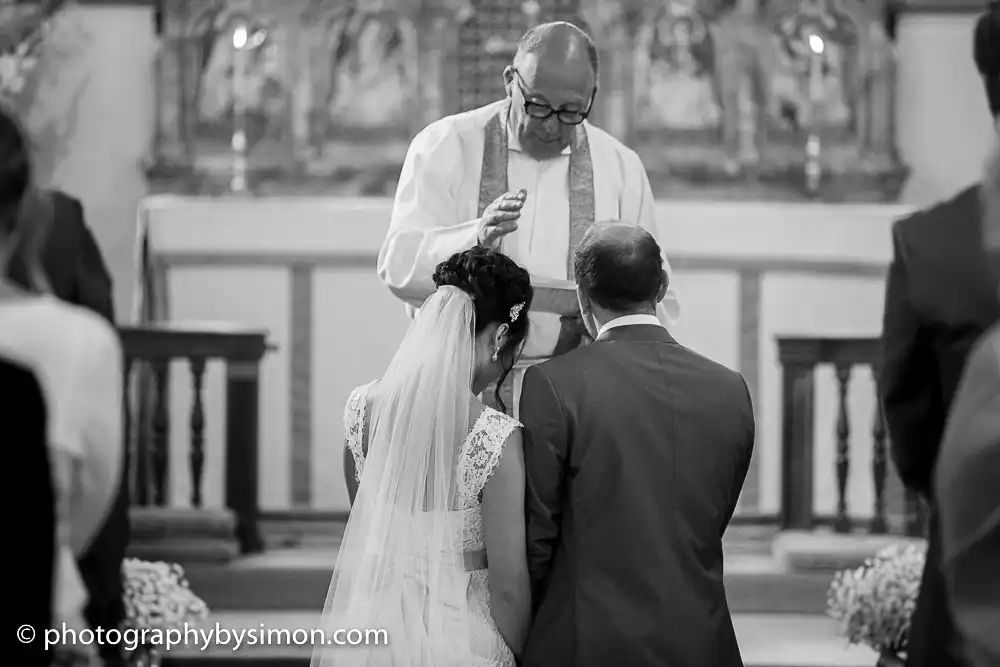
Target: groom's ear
x=661 y=294
x=583 y=301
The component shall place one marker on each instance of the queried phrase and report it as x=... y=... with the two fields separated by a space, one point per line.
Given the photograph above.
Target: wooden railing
x=799 y=359
x=149 y=350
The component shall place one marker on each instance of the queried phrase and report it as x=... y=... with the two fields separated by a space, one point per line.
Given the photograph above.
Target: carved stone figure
x=744 y=68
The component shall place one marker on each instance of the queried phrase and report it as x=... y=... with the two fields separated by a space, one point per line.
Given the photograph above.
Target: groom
x=636 y=450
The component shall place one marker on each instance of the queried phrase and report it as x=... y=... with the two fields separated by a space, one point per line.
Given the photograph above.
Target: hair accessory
x=515 y=311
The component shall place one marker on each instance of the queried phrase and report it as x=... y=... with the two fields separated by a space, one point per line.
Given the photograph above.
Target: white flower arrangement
x=873 y=604
x=158 y=597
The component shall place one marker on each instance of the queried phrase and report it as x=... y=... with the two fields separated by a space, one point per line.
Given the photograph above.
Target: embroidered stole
x=493 y=181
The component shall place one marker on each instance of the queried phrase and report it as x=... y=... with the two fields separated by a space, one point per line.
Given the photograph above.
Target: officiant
x=526 y=175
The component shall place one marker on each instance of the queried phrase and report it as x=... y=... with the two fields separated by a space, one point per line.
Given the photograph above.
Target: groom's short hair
x=619 y=266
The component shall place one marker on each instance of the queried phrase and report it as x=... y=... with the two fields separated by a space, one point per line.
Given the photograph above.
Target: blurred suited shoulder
x=941 y=298
x=968 y=470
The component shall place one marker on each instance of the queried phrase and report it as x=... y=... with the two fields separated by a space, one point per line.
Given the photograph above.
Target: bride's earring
x=498 y=342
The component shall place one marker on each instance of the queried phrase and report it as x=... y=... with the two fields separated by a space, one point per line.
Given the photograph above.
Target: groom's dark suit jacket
x=636 y=450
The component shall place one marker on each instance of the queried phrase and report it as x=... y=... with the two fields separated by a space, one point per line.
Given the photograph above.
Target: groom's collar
x=644 y=331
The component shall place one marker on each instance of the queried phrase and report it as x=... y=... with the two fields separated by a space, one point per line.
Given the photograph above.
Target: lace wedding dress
x=478 y=459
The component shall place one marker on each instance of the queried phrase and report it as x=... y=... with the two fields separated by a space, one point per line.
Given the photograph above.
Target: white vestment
x=436 y=210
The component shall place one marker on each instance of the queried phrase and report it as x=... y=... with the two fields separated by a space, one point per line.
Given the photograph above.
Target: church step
x=827 y=552
x=284 y=580
x=765 y=641
x=184 y=535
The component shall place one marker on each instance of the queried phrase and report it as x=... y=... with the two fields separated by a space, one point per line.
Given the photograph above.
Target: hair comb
x=515 y=311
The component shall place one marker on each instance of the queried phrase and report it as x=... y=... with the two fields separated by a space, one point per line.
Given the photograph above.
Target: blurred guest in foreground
x=969 y=468
x=73 y=270
x=30 y=471
x=940 y=299
x=76 y=357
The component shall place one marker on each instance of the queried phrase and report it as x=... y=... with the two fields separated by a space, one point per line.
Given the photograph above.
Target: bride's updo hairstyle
x=496 y=284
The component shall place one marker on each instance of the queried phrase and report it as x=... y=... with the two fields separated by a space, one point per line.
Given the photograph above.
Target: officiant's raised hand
x=500 y=218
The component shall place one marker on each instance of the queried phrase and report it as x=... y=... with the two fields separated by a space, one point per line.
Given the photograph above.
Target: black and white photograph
x=502 y=333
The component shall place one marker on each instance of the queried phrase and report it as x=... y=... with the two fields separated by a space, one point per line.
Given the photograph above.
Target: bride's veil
x=401 y=555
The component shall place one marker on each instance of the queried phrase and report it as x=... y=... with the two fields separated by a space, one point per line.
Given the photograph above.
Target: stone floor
x=297 y=579
x=778 y=610
x=766 y=640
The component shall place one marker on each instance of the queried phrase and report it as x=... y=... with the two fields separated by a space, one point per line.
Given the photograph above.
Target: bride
x=434 y=551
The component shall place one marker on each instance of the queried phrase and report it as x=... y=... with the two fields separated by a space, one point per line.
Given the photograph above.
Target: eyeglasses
x=544 y=111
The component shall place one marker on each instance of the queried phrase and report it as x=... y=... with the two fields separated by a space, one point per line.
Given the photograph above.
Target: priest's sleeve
x=424 y=229
x=639 y=207
x=545 y=453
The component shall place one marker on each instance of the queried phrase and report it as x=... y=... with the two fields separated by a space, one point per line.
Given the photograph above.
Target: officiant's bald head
x=552 y=84
x=558 y=44
x=619 y=271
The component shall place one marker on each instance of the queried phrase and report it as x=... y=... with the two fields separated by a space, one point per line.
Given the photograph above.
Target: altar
x=304 y=270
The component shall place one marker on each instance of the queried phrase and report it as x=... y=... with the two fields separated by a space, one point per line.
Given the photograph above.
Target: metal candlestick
x=813 y=167
x=238 y=184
